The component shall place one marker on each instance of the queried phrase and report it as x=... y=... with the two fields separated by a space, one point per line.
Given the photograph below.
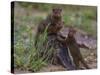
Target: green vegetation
x=26 y=56
x=28 y=15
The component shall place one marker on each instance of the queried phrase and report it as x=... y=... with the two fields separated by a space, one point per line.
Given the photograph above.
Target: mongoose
x=74 y=49
x=53 y=22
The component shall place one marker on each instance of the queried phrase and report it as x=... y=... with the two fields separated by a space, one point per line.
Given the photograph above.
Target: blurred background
x=28 y=15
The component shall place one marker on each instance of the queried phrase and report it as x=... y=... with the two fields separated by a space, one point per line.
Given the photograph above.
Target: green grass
x=26 y=56
x=83 y=21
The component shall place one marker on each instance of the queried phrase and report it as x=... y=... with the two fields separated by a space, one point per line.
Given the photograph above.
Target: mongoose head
x=56 y=12
x=72 y=32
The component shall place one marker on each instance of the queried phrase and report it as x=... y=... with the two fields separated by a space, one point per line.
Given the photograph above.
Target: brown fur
x=53 y=21
x=74 y=49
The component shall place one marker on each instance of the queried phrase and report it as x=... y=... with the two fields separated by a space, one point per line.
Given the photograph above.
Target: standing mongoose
x=74 y=49
x=53 y=22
